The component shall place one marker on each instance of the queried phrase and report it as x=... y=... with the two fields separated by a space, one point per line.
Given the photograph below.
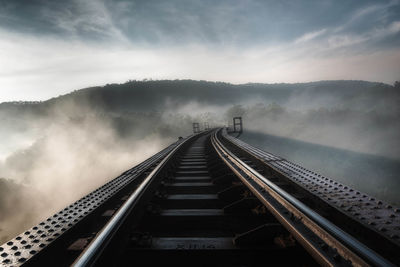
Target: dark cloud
x=176 y=22
x=100 y=41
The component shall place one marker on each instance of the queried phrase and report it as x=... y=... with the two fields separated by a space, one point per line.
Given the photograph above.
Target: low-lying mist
x=54 y=152
x=370 y=132
x=73 y=154
x=374 y=175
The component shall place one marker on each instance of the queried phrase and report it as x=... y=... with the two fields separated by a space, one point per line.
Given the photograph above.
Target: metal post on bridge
x=206 y=126
x=237 y=125
x=196 y=127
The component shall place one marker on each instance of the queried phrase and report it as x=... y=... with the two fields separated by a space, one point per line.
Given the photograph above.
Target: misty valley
x=199 y=133
x=54 y=152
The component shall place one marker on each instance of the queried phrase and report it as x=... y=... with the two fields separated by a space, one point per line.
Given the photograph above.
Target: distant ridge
x=153 y=94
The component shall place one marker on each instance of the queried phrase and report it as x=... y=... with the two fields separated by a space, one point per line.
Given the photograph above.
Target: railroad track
x=206 y=200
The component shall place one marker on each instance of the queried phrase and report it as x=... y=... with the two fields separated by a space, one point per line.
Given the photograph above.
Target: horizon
x=61 y=93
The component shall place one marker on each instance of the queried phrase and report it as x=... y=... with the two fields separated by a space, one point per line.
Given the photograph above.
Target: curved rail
x=348 y=245
x=100 y=242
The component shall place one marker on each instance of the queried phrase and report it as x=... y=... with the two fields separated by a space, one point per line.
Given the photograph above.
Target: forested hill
x=155 y=95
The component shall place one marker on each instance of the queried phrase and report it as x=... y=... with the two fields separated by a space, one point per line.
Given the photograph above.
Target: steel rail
x=91 y=254
x=340 y=237
x=372 y=216
x=33 y=242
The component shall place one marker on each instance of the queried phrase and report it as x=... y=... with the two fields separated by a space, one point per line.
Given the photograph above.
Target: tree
x=397 y=84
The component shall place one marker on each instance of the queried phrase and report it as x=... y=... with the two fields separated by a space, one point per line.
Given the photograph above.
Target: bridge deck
x=371 y=212
x=206 y=197
x=189 y=224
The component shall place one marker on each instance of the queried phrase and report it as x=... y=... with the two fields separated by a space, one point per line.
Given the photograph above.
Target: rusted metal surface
x=33 y=241
x=197 y=204
x=310 y=229
x=191 y=223
x=92 y=252
x=371 y=212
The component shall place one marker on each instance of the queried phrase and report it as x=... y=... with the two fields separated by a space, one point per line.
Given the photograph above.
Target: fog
x=54 y=152
x=374 y=175
x=370 y=132
x=71 y=155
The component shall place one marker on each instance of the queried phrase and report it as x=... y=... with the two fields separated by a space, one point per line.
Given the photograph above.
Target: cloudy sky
x=49 y=47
